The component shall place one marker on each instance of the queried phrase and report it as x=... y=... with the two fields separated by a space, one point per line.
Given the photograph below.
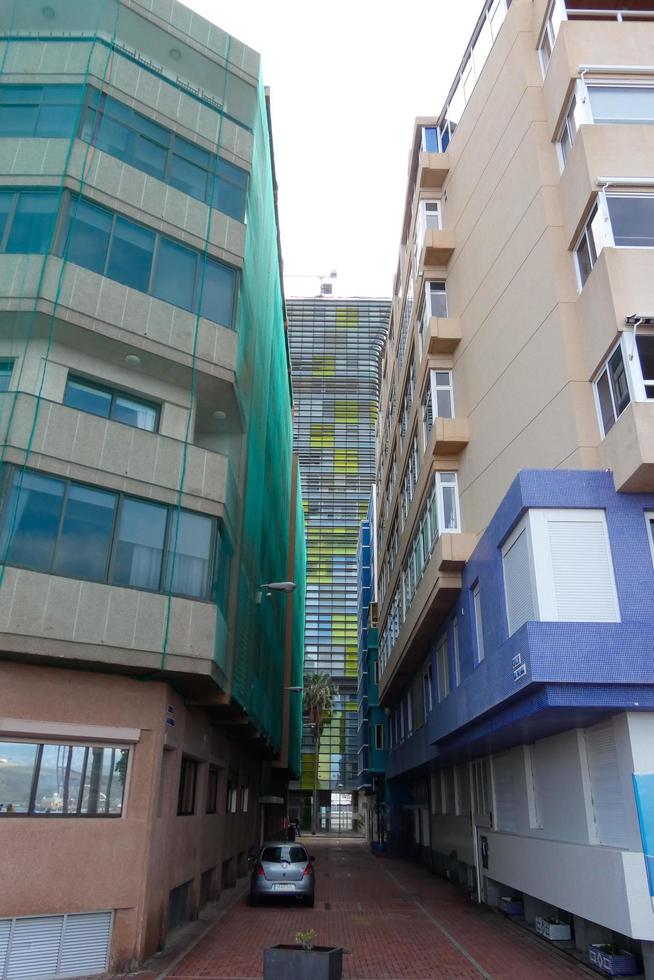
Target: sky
x=347 y=80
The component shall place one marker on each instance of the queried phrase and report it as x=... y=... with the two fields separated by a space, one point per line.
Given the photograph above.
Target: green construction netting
x=48 y=305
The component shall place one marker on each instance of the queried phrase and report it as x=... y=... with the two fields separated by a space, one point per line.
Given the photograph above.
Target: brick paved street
x=396 y=921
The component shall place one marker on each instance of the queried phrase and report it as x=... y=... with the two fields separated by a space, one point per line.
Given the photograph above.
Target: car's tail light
x=307 y=871
x=260 y=871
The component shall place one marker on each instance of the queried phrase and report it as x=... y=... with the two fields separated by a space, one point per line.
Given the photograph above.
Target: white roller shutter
x=504 y=792
x=35 y=944
x=86 y=942
x=606 y=785
x=584 y=589
x=517 y=582
x=51 y=946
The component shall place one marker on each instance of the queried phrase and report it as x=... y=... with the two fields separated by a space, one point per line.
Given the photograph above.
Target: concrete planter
x=621 y=964
x=554 y=931
x=294 y=963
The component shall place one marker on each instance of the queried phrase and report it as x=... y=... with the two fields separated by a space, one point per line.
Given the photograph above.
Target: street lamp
x=269 y=587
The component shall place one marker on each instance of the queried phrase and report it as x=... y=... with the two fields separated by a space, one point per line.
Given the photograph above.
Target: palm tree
x=319 y=694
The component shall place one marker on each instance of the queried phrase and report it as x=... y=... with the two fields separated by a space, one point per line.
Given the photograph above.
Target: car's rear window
x=275 y=855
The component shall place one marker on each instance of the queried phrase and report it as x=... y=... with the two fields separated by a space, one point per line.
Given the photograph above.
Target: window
x=569 y=129
x=88 y=396
x=567 y=557
x=6 y=370
x=245 y=798
x=606 y=785
x=134 y=255
x=479 y=632
x=438 y=394
x=187 y=779
x=518 y=586
x=632 y=220
x=379 y=736
x=213 y=782
x=434 y=304
x=481 y=794
x=590 y=245
x=435 y=793
x=54 y=780
x=124 y=133
x=462 y=782
x=39 y=110
x=621 y=103
x=449 y=790
x=231 y=800
x=612 y=390
x=427 y=687
x=429 y=143
x=443 y=668
x=455 y=651
x=64 y=528
x=505 y=792
x=27 y=221
x=555 y=14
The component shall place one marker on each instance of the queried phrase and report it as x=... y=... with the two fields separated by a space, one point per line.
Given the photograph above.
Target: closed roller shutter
x=582 y=571
x=606 y=785
x=49 y=946
x=504 y=792
x=517 y=583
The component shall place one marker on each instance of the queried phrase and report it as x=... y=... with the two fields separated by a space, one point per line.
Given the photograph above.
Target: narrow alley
x=395 y=921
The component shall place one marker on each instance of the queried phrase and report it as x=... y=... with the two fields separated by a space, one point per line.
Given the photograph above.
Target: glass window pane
x=88 y=239
x=150 y=157
x=33 y=223
x=16 y=773
x=60 y=779
x=619 y=383
x=139 y=545
x=430 y=139
x=18 y=120
x=444 y=403
x=108 y=135
x=87 y=397
x=130 y=255
x=5 y=206
x=83 y=550
x=6 y=370
x=104 y=780
x=174 y=278
x=190 y=565
x=56 y=120
x=231 y=190
x=132 y=412
x=437 y=299
x=217 y=291
x=188 y=177
x=31 y=520
x=645 y=344
x=62 y=94
x=605 y=402
x=622 y=104
x=192 y=152
x=449 y=508
x=584 y=262
x=26 y=94
x=632 y=221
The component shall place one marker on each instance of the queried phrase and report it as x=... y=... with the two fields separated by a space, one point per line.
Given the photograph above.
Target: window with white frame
x=438 y=395
x=574 y=117
x=434 y=305
x=564 y=569
x=631 y=220
x=407 y=400
x=626 y=375
x=429 y=216
x=406 y=319
x=479 y=630
x=427 y=687
x=623 y=103
x=481 y=791
x=555 y=15
x=443 y=668
x=455 y=651
x=591 y=242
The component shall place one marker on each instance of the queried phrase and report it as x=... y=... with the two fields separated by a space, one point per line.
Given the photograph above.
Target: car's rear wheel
x=310 y=902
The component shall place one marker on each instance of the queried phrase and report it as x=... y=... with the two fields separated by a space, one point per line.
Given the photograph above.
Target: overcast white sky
x=347 y=80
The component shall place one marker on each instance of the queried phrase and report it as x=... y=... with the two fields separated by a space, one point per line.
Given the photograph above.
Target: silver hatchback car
x=282 y=870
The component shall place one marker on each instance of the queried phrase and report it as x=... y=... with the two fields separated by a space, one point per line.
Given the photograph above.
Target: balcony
x=433 y=168
x=438 y=588
x=628 y=449
x=119 y=456
x=436 y=248
x=448 y=437
x=442 y=335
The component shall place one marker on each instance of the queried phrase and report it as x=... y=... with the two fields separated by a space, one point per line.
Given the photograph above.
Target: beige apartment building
x=515 y=489
x=147 y=491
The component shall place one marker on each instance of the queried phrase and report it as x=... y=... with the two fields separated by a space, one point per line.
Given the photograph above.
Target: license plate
x=284 y=888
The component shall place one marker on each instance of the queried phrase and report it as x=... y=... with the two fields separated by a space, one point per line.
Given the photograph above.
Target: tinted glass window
x=60 y=779
x=16 y=771
x=189 y=566
x=31 y=520
x=39 y=110
x=87 y=397
x=139 y=545
x=188 y=177
x=6 y=369
x=230 y=190
x=130 y=256
x=130 y=411
x=74 y=780
x=278 y=853
x=606 y=405
x=86 y=532
x=6 y=201
x=174 y=280
x=150 y=157
x=89 y=236
x=33 y=222
x=217 y=292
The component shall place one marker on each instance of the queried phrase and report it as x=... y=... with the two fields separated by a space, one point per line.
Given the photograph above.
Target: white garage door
x=39 y=947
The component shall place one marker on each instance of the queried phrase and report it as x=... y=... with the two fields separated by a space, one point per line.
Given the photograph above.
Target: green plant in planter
x=306 y=939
